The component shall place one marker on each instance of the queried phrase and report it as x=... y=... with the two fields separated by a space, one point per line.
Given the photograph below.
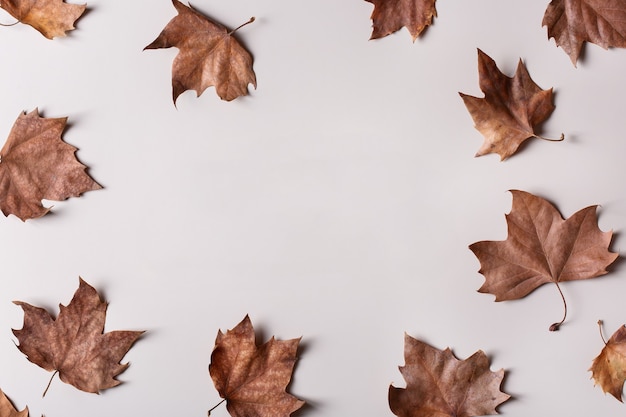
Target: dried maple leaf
x=36 y=164
x=609 y=367
x=390 y=16
x=439 y=384
x=542 y=247
x=51 y=18
x=510 y=110
x=252 y=379
x=208 y=55
x=8 y=410
x=572 y=22
x=74 y=345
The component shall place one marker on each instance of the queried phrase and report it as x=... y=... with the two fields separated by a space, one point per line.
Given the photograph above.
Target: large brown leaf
x=8 y=410
x=510 y=110
x=253 y=379
x=36 y=164
x=438 y=384
x=391 y=15
x=74 y=344
x=208 y=55
x=542 y=247
x=50 y=17
x=609 y=367
x=573 y=22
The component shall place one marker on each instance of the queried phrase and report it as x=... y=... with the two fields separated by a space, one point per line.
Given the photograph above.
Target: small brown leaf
x=51 y=18
x=510 y=110
x=541 y=247
x=390 y=16
x=439 y=384
x=573 y=22
x=74 y=344
x=36 y=164
x=609 y=367
x=8 y=410
x=253 y=379
x=209 y=55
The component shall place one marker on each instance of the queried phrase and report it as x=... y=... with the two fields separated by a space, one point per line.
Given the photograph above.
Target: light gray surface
x=335 y=203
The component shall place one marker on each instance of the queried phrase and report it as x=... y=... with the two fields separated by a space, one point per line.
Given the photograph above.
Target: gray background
x=336 y=203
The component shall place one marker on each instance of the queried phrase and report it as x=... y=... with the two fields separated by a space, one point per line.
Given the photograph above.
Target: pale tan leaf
x=52 y=18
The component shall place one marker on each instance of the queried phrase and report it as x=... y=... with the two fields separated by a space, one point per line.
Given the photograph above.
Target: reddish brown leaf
x=8 y=410
x=36 y=164
x=209 y=55
x=541 y=247
x=609 y=367
x=253 y=379
x=438 y=384
x=390 y=16
x=510 y=110
x=50 y=17
x=74 y=344
x=572 y=22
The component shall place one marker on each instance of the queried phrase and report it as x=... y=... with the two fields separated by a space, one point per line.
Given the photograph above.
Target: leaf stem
x=49 y=382
x=555 y=326
x=561 y=138
x=601 y=334
x=242 y=25
x=215 y=406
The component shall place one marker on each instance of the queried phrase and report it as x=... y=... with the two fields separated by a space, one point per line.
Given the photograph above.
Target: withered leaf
x=8 y=410
x=573 y=22
x=438 y=384
x=510 y=110
x=74 y=344
x=52 y=18
x=253 y=379
x=209 y=55
x=609 y=367
x=36 y=164
x=542 y=247
x=390 y=16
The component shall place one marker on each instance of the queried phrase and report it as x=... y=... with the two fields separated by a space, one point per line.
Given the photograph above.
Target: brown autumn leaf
x=573 y=22
x=74 y=345
x=609 y=367
x=52 y=18
x=8 y=410
x=209 y=55
x=438 y=384
x=542 y=247
x=390 y=16
x=252 y=379
x=510 y=110
x=36 y=164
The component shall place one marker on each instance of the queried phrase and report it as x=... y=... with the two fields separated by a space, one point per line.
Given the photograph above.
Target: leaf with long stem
x=542 y=248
